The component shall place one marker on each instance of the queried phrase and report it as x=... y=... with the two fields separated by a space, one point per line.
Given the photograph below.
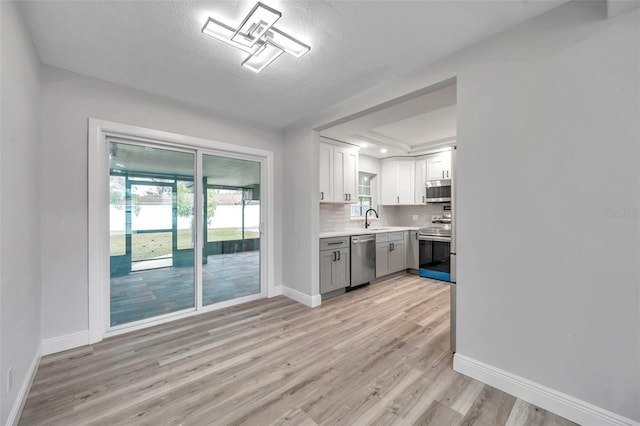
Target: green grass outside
x=146 y=246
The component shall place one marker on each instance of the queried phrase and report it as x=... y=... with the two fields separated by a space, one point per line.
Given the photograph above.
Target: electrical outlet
x=9 y=379
x=415 y=217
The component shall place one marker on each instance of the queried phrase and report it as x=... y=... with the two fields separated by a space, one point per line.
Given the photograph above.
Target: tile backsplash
x=336 y=217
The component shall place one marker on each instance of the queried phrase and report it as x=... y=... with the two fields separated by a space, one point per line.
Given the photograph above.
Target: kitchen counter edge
x=351 y=232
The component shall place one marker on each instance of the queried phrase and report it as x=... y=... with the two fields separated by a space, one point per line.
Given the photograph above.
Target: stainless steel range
x=435 y=248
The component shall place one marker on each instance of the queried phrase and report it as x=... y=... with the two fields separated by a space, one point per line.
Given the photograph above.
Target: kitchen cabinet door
x=339 y=158
x=420 y=190
x=439 y=166
x=388 y=172
x=397 y=182
x=341 y=270
x=396 y=257
x=326 y=172
x=405 y=182
x=412 y=250
x=326 y=271
x=338 y=174
x=382 y=259
x=350 y=174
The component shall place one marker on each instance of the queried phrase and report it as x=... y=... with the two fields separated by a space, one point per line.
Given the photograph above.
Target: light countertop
x=362 y=231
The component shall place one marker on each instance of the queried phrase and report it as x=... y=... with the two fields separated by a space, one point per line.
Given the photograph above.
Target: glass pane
x=117 y=216
x=152 y=206
x=231 y=256
x=185 y=207
x=224 y=214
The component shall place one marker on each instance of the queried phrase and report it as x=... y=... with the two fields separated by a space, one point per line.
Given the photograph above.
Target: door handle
x=398 y=198
x=416 y=235
x=443 y=174
x=321 y=195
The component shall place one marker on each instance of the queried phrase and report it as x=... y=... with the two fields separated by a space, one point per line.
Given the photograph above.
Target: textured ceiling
x=157 y=46
x=413 y=127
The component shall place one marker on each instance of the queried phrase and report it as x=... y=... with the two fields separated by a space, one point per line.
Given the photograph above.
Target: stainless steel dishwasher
x=363 y=259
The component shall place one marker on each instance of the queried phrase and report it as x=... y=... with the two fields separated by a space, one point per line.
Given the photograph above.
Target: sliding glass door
x=153 y=231
x=231 y=254
x=151 y=227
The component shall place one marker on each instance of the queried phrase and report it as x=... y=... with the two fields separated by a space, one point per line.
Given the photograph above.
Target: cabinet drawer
x=334 y=243
x=389 y=237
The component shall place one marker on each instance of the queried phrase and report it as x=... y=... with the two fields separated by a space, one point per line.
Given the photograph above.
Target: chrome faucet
x=366 y=216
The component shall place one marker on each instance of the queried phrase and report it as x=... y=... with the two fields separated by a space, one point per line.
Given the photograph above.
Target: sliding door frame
x=101 y=133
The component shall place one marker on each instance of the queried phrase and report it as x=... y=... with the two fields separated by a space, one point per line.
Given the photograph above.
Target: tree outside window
x=365 y=194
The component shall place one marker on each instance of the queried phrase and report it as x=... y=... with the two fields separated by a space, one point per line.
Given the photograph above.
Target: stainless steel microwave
x=439 y=191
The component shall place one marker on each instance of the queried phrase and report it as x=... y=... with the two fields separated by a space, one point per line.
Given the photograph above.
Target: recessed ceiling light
x=383 y=150
x=364 y=145
x=257 y=36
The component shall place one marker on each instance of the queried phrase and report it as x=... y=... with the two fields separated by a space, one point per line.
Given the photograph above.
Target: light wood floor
x=377 y=355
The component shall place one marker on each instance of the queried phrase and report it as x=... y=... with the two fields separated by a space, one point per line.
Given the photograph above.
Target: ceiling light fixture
x=257 y=36
x=383 y=150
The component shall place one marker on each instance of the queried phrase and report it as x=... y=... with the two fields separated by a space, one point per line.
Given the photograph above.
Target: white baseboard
x=305 y=299
x=544 y=397
x=23 y=393
x=275 y=291
x=63 y=343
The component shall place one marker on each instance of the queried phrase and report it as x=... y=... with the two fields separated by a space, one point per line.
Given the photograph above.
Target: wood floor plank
x=439 y=414
x=378 y=355
x=492 y=407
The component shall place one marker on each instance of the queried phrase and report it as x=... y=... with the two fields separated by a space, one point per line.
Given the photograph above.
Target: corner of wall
x=23 y=393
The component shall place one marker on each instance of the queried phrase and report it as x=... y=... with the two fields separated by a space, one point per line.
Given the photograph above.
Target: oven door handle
x=432 y=238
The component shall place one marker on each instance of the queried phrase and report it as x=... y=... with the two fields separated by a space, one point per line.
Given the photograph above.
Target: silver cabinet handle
x=416 y=235
x=338 y=255
x=334 y=257
x=398 y=199
x=423 y=199
x=443 y=174
x=321 y=195
x=337 y=243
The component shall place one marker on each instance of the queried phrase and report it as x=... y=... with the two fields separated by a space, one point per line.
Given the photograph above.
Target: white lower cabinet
x=390 y=255
x=335 y=264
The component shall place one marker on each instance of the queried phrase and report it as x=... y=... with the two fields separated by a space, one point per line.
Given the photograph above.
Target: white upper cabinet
x=439 y=166
x=398 y=182
x=421 y=182
x=326 y=172
x=338 y=174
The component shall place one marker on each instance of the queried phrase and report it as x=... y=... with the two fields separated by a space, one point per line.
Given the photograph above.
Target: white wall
x=369 y=164
x=300 y=216
x=547 y=277
x=19 y=205
x=68 y=100
x=548 y=289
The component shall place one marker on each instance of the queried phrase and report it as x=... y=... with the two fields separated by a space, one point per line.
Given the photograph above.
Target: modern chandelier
x=257 y=36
